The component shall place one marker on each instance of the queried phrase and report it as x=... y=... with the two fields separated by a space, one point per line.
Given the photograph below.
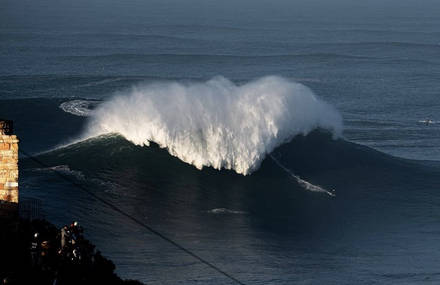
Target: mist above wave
x=215 y=123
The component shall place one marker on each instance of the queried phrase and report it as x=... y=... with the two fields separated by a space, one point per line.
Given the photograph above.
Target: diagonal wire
x=140 y=223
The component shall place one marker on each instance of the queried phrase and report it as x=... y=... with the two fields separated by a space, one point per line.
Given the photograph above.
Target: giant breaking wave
x=216 y=123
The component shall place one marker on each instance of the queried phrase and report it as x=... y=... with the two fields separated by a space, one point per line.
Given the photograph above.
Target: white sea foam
x=99 y=82
x=215 y=123
x=428 y=122
x=226 y=211
x=64 y=169
x=82 y=108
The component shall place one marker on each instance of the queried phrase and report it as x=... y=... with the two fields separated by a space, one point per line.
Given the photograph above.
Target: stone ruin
x=8 y=163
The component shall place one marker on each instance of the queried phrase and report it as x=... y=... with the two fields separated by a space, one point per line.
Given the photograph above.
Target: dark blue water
x=378 y=64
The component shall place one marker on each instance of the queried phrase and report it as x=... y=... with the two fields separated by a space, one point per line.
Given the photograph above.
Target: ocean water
x=286 y=142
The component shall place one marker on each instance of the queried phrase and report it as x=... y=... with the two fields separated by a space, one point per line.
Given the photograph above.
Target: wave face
x=216 y=123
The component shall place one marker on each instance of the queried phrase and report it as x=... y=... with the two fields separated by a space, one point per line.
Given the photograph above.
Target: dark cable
x=140 y=223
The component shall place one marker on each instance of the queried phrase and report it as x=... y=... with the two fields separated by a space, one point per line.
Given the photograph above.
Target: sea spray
x=215 y=123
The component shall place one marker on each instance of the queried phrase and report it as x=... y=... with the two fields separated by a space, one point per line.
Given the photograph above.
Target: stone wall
x=8 y=167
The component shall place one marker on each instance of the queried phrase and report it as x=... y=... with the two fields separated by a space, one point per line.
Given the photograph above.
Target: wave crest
x=216 y=123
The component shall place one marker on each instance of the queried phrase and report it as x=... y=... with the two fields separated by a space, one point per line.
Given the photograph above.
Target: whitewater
x=215 y=123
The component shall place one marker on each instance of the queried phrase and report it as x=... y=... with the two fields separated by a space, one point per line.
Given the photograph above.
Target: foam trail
x=226 y=211
x=100 y=82
x=215 y=123
x=65 y=169
x=428 y=122
x=305 y=184
x=82 y=108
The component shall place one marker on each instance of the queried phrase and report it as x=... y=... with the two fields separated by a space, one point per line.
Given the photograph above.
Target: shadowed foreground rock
x=27 y=258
